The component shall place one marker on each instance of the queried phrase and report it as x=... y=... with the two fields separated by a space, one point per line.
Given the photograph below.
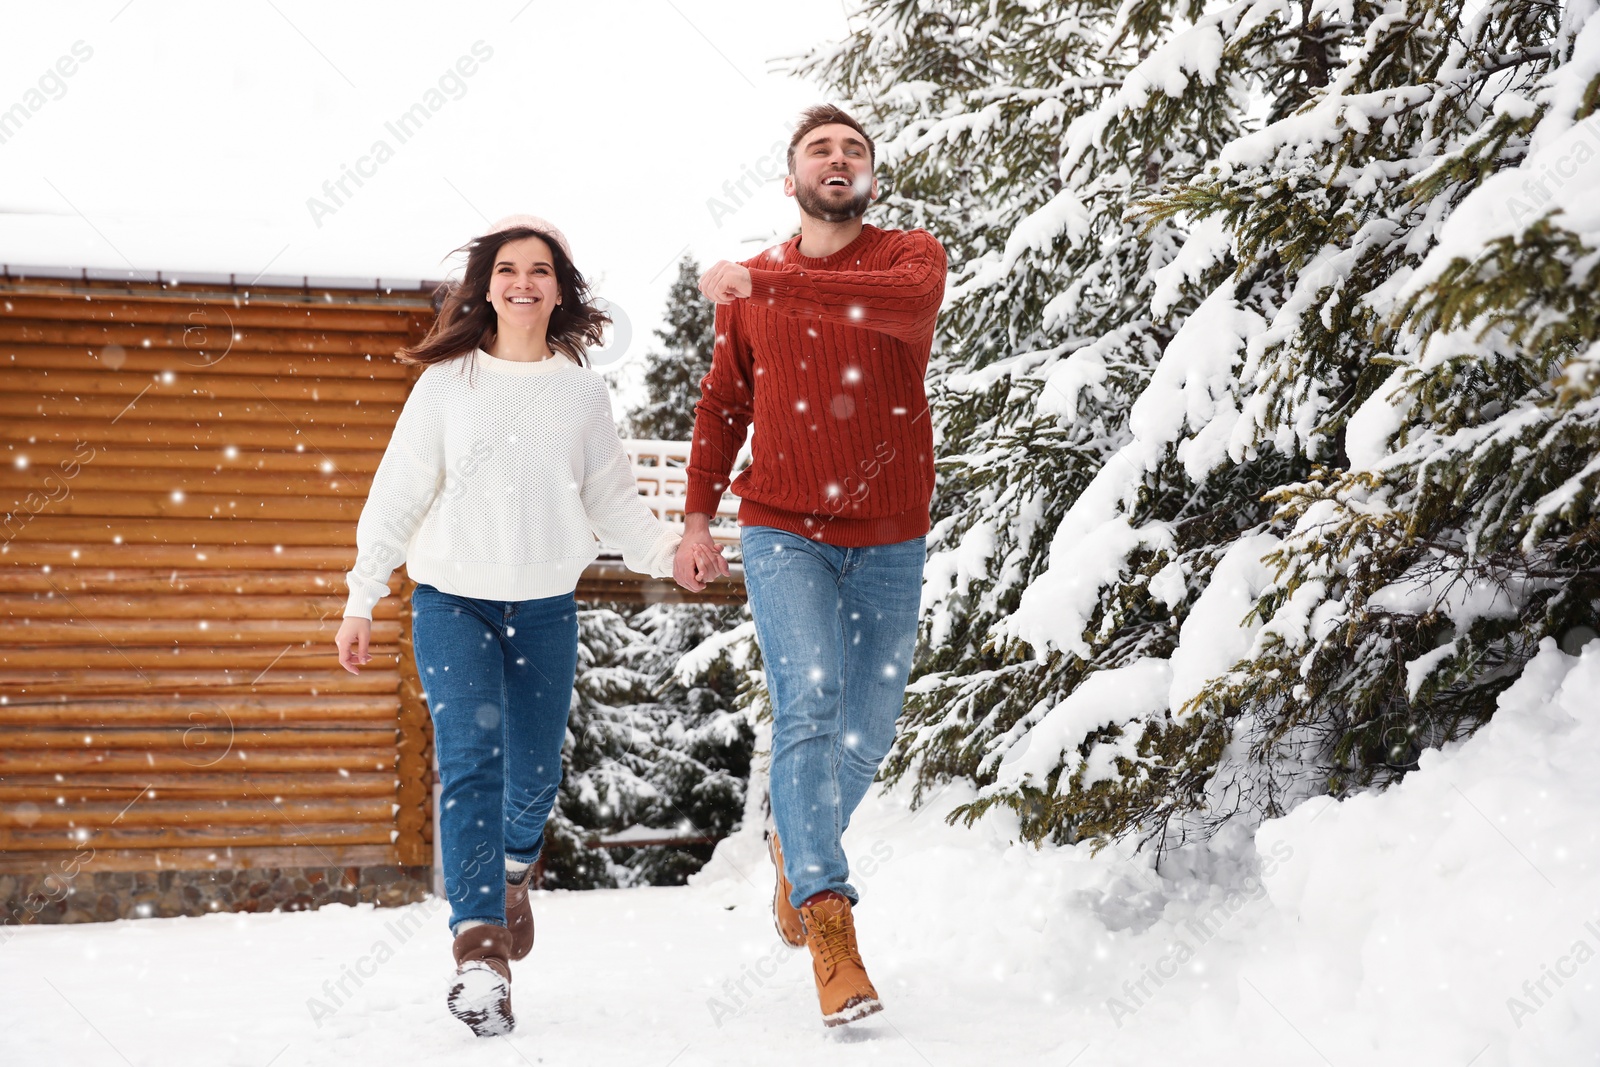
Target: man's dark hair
x=824 y=115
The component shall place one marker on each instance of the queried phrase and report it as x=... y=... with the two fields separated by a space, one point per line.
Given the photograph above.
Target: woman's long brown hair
x=468 y=321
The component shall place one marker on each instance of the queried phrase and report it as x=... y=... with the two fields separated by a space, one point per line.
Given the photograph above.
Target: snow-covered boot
x=785 y=916
x=480 y=994
x=519 y=915
x=843 y=988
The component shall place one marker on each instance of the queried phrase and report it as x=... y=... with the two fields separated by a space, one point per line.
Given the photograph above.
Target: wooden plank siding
x=183 y=467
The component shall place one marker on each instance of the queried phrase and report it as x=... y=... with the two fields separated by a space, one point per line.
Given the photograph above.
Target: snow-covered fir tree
x=672 y=372
x=1264 y=393
x=646 y=751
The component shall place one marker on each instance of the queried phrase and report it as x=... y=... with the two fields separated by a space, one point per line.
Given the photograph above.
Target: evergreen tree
x=704 y=765
x=672 y=373
x=1268 y=442
x=645 y=751
x=605 y=762
x=972 y=103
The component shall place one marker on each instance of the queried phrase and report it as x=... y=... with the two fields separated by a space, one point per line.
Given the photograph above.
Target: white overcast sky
x=193 y=136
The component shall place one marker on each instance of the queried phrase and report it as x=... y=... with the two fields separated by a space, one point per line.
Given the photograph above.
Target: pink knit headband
x=531 y=222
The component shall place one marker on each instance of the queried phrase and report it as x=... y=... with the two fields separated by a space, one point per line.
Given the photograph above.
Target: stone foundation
x=104 y=895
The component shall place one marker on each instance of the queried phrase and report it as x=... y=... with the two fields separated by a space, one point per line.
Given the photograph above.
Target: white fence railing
x=661 y=470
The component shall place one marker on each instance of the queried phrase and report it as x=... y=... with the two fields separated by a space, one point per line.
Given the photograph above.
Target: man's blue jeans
x=498 y=679
x=837 y=628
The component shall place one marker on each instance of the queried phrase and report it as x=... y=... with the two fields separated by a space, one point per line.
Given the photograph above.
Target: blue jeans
x=837 y=628
x=498 y=679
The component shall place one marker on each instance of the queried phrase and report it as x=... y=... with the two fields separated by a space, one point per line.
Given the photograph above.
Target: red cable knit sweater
x=827 y=357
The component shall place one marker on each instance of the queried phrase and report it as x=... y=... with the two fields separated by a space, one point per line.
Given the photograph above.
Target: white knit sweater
x=497 y=488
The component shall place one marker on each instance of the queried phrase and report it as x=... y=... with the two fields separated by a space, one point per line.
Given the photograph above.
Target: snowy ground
x=1452 y=921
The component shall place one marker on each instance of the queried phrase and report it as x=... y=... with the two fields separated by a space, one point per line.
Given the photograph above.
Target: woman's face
x=522 y=284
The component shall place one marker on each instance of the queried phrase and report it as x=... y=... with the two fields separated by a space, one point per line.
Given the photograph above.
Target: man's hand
x=725 y=282
x=699 y=559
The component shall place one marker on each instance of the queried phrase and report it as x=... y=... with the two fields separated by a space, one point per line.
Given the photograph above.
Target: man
x=823 y=342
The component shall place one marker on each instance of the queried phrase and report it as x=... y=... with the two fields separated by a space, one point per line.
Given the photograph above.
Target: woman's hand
x=354 y=635
x=709 y=564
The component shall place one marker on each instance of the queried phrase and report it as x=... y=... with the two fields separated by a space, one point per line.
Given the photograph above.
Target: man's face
x=832 y=176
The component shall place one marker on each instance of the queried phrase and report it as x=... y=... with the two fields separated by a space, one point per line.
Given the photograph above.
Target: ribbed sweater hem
x=500 y=581
x=839 y=532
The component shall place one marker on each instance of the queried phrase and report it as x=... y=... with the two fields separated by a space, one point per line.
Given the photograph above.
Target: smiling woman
x=469 y=316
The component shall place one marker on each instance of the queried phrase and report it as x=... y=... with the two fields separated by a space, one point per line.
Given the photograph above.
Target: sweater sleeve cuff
x=360 y=602
x=664 y=553
x=702 y=497
x=773 y=283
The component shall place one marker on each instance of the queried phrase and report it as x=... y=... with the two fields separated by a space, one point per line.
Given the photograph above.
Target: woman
x=504 y=464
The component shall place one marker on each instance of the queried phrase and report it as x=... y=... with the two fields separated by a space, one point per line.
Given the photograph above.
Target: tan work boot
x=843 y=988
x=519 y=915
x=785 y=916
x=480 y=995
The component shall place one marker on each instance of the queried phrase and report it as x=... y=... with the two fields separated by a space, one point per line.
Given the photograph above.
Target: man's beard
x=812 y=204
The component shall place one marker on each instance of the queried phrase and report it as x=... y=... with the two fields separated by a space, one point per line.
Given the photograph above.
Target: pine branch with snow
x=1268 y=435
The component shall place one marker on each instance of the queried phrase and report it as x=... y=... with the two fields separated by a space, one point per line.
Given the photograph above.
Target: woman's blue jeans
x=837 y=629
x=498 y=679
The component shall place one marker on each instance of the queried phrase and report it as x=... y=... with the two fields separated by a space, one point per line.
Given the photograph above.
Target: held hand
x=354 y=635
x=699 y=559
x=710 y=564
x=725 y=282
x=685 y=567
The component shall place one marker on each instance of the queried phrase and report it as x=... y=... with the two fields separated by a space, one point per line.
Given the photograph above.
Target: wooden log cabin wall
x=183 y=466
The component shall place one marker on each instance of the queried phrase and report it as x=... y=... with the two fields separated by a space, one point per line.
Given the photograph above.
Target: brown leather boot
x=785 y=916
x=843 y=988
x=480 y=995
x=519 y=915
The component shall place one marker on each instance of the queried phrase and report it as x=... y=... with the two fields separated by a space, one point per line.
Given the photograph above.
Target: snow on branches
x=1265 y=391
